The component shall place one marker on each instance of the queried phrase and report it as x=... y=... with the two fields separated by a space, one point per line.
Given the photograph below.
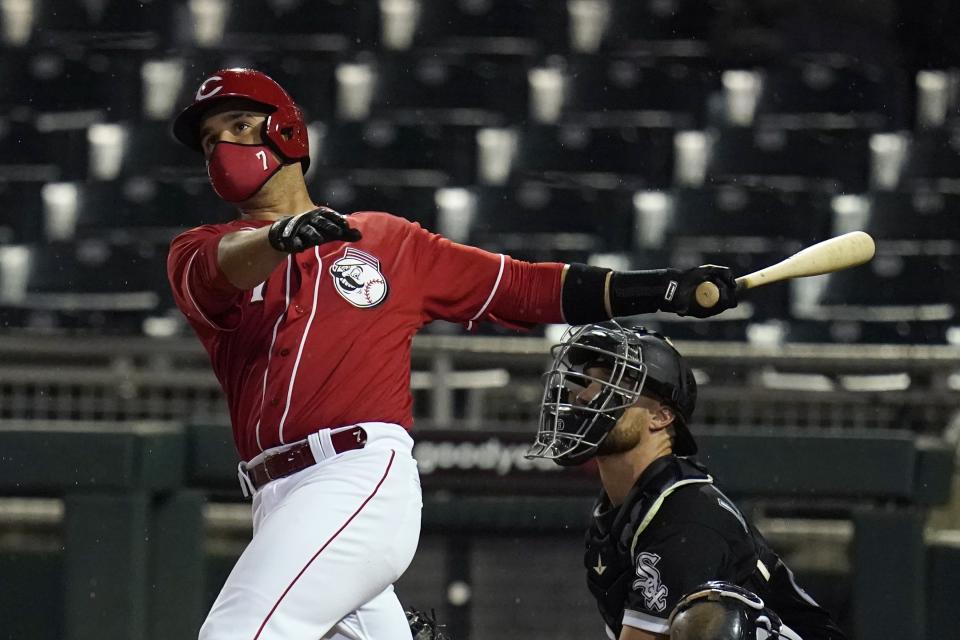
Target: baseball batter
x=308 y=318
x=661 y=526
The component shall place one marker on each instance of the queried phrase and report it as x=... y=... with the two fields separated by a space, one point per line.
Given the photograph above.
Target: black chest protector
x=619 y=537
x=616 y=533
x=608 y=558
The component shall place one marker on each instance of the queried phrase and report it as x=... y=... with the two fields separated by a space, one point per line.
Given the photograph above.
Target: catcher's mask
x=723 y=611
x=639 y=362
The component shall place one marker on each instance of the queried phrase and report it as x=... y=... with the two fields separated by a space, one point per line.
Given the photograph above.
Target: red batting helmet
x=284 y=128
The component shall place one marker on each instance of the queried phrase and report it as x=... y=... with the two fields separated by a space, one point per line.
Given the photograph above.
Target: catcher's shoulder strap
x=668 y=474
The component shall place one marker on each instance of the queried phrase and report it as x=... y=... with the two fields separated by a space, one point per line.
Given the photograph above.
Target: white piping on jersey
x=800 y=592
x=727 y=503
x=496 y=285
x=609 y=631
x=273 y=339
x=303 y=340
x=652 y=511
x=186 y=288
x=762 y=568
x=645 y=622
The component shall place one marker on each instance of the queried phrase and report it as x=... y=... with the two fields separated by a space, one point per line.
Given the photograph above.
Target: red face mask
x=238 y=171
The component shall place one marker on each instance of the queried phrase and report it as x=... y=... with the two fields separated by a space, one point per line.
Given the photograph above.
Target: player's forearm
x=591 y=294
x=246 y=257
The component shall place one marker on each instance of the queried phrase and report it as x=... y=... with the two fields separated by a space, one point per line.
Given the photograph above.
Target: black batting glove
x=586 y=292
x=296 y=233
x=682 y=300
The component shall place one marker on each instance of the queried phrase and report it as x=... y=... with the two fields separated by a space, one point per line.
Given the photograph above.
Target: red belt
x=299 y=456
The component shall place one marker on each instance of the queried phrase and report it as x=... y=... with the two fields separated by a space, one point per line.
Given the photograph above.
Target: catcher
x=661 y=526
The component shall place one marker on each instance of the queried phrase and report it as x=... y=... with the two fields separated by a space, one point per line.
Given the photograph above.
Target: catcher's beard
x=627 y=433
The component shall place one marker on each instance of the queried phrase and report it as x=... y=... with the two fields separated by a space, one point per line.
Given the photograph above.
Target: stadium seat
x=768 y=218
x=309 y=79
x=41 y=155
x=936 y=100
x=633 y=90
x=100 y=85
x=615 y=157
x=149 y=149
x=451 y=87
x=105 y=23
x=636 y=23
x=867 y=332
x=379 y=145
x=415 y=203
x=832 y=159
x=536 y=221
x=818 y=89
x=491 y=26
x=94 y=266
x=897 y=294
x=304 y=25
x=916 y=215
x=934 y=155
x=21 y=212
x=146 y=209
x=89 y=286
x=675 y=328
x=893 y=280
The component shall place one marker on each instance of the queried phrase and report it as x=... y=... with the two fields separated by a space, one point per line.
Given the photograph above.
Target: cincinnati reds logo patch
x=358 y=280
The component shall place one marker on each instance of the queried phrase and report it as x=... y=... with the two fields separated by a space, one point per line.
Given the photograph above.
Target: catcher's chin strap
x=425 y=627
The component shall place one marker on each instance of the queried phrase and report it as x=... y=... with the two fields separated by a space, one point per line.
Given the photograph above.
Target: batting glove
x=296 y=233
x=683 y=300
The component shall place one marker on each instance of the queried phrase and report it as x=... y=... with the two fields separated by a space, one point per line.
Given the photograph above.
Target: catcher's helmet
x=641 y=362
x=724 y=611
x=284 y=129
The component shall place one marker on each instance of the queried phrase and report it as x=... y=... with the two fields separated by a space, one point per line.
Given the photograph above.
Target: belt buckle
x=347 y=438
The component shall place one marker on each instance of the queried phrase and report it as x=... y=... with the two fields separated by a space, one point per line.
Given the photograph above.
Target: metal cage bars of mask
x=555 y=436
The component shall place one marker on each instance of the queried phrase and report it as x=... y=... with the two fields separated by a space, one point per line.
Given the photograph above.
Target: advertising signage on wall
x=494 y=462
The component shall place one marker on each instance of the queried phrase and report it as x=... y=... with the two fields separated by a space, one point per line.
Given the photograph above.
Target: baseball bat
x=842 y=252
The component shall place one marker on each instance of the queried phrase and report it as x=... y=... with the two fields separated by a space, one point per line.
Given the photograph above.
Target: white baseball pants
x=328 y=544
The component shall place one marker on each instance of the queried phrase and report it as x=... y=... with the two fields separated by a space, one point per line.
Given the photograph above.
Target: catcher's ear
x=662 y=416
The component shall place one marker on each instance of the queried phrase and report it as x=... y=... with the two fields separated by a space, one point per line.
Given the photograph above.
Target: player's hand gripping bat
x=849 y=250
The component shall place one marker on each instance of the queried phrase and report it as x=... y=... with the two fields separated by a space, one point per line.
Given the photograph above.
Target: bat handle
x=707 y=294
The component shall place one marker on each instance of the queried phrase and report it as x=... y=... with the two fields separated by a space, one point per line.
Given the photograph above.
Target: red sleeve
x=529 y=294
x=200 y=288
x=466 y=284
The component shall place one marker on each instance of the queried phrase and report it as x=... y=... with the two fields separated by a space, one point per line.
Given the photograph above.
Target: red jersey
x=325 y=340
